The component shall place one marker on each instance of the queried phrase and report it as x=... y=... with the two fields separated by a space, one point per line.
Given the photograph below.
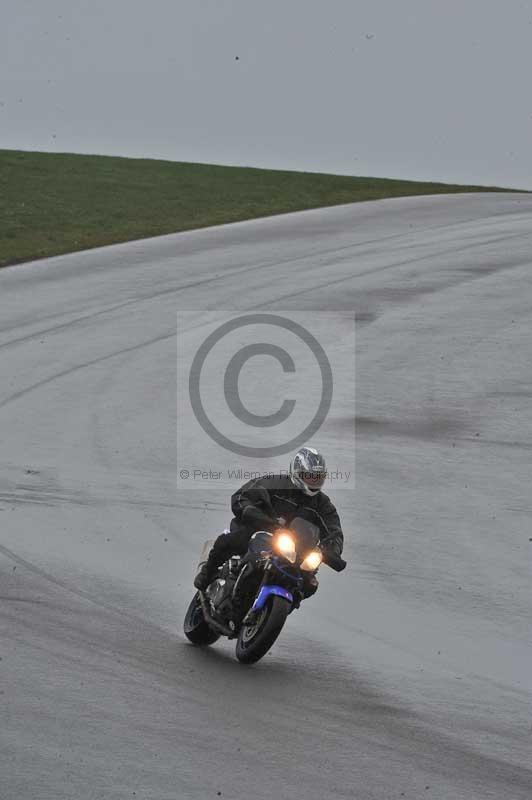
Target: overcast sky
x=428 y=89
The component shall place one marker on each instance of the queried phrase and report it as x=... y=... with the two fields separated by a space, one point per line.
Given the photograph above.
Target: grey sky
x=401 y=88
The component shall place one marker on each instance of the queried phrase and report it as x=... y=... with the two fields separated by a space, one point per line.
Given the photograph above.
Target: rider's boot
x=215 y=558
x=206 y=573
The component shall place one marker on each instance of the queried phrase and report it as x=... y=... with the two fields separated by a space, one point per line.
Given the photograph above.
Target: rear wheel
x=196 y=629
x=257 y=637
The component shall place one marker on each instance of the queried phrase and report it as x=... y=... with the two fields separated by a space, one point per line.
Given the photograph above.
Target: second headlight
x=312 y=561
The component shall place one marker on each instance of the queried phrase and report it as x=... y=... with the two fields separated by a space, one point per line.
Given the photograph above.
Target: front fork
x=268 y=587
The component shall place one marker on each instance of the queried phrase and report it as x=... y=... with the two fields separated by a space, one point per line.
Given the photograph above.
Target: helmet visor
x=314 y=479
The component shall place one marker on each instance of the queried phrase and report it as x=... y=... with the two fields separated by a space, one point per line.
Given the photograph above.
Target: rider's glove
x=333 y=559
x=255 y=517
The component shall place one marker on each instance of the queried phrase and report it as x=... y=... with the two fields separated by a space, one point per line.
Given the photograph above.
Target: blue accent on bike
x=266 y=591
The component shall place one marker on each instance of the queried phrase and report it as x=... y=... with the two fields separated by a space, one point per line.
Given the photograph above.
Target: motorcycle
x=251 y=596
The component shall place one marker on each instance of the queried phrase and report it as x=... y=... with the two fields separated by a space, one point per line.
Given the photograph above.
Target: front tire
x=196 y=629
x=254 y=640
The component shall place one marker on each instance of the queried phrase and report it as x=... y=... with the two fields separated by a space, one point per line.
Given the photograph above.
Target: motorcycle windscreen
x=307 y=534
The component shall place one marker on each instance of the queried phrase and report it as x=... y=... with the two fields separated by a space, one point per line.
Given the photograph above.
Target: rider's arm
x=251 y=504
x=332 y=527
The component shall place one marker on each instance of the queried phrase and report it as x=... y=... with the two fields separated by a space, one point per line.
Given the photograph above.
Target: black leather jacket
x=259 y=502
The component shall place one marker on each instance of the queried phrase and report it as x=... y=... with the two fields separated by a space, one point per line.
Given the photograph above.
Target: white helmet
x=308 y=470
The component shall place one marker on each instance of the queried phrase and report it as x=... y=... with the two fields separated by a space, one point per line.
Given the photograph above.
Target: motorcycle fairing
x=268 y=590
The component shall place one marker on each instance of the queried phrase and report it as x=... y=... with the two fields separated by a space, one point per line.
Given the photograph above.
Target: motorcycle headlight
x=285 y=546
x=312 y=561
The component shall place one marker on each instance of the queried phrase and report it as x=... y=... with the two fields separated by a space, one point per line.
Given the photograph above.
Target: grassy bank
x=57 y=203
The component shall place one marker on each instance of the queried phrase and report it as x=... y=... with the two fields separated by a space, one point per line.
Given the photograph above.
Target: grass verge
x=58 y=203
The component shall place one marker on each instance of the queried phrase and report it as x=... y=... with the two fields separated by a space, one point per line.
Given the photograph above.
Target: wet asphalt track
x=407 y=675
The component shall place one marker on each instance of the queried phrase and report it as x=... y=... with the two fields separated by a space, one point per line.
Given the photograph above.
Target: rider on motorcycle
x=272 y=502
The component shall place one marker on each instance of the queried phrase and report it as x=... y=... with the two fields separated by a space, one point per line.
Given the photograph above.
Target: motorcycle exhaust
x=218 y=626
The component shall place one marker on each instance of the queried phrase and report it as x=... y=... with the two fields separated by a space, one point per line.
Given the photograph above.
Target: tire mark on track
x=86 y=364
x=406 y=262
x=47 y=576
x=183 y=287
x=255 y=268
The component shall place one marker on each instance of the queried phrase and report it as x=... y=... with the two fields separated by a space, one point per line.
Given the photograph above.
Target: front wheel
x=256 y=638
x=196 y=629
